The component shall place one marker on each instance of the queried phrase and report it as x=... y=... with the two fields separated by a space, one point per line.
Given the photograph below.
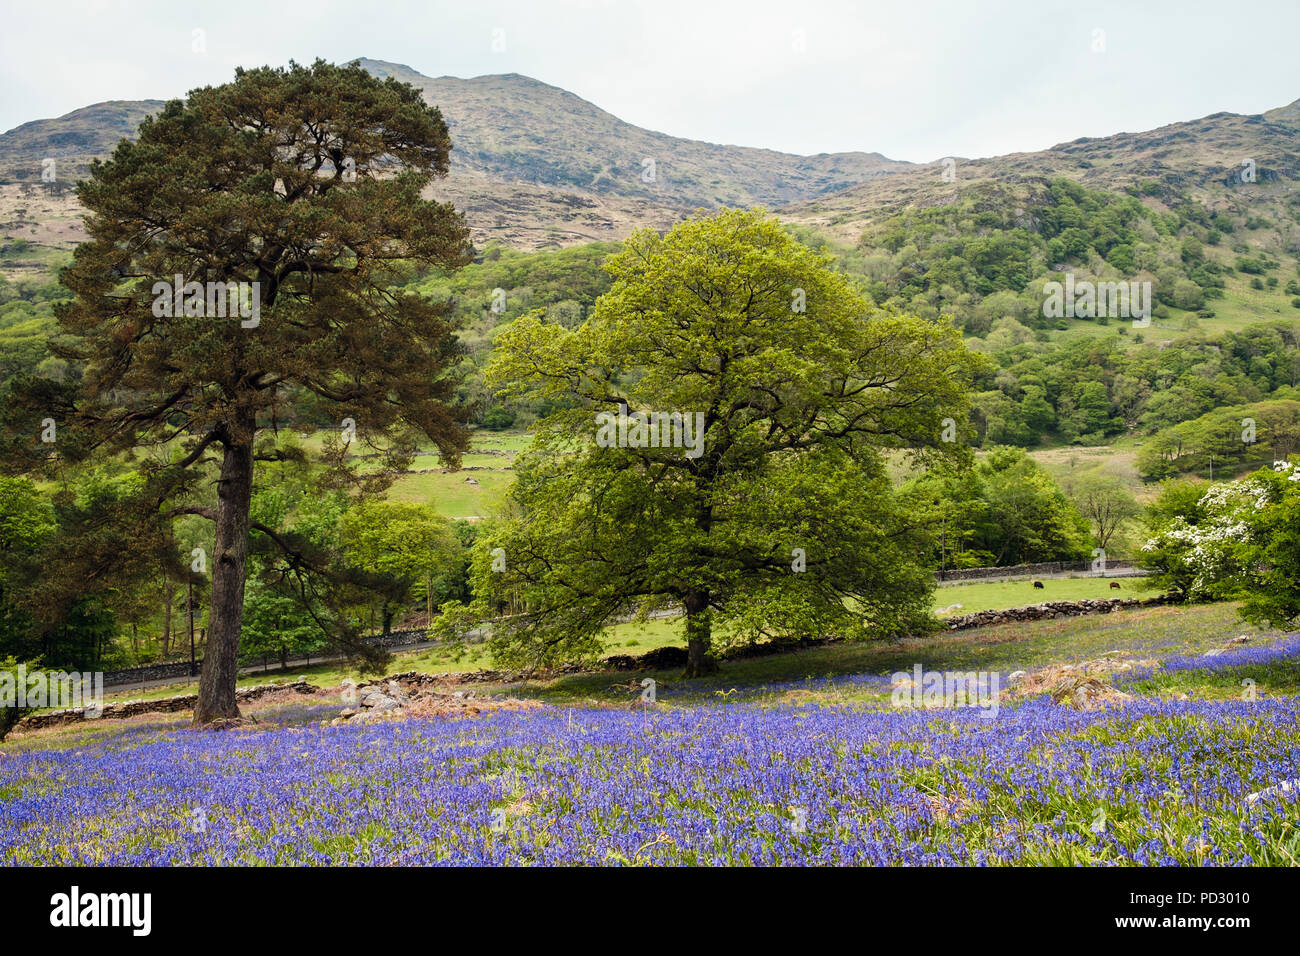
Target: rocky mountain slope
x=535 y=166
x=1206 y=160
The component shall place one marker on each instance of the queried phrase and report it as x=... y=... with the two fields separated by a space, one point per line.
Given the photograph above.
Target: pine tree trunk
x=167 y=625
x=226 y=612
x=699 y=636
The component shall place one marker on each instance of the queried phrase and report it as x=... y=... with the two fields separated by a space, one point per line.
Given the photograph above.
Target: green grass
x=451 y=494
x=638 y=638
x=1240 y=307
x=512 y=441
x=1143 y=633
x=1004 y=594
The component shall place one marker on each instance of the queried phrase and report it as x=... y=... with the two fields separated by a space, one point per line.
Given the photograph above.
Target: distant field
x=514 y=441
x=1120 y=460
x=451 y=494
x=1003 y=594
x=472 y=492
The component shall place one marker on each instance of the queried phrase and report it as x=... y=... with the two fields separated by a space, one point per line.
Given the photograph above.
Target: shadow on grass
x=1155 y=632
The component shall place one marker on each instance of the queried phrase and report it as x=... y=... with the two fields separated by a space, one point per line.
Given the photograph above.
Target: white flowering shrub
x=1195 y=553
x=1221 y=546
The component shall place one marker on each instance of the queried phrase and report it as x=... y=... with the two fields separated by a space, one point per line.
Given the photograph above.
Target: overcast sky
x=916 y=80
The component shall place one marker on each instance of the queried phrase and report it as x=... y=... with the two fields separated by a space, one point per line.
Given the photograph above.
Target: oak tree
x=718 y=446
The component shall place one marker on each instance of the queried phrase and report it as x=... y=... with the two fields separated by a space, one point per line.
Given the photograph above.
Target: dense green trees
x=1006 y=510
x=1193 y=531
x=1224 y=438
x=71 y=567
x=985 y=255
x=10 y=715
x=26 y=524
x=410 y=545
x=1231 y=540
x=277 y=626
x=1094 y=389
x=1270 y=552
x=1086 y=390
x=498 y=287
x=369 y=311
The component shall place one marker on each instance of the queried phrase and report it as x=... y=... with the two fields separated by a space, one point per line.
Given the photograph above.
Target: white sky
x=915 y=80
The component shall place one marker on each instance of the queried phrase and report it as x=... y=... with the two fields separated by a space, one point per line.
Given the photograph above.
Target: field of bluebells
x=1285 y=651
x=1157 y=782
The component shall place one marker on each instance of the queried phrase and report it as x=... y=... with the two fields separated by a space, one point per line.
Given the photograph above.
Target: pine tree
x=303 y=185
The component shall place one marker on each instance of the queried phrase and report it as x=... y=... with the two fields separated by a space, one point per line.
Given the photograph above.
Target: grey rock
x=1286 y=786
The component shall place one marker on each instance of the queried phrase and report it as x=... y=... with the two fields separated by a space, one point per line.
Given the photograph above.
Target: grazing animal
x=1038 y=584
x=1114 y=585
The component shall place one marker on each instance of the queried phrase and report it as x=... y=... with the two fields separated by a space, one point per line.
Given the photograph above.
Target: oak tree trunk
x=699 y=635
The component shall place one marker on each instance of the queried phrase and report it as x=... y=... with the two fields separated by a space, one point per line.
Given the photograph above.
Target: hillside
x=537 y=167
x=1195 y=160
x=534 y=165
x=72 y=140
x=524 y=132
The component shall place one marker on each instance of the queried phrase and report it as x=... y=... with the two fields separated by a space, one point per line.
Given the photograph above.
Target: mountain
x=71 y=140
x=1199 y=160
x=518 y=130
x=534 y=166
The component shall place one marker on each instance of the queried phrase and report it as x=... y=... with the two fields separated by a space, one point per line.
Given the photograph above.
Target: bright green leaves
x=784 y=523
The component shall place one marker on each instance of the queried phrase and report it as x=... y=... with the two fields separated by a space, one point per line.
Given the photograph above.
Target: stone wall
x=1045 y=569
x=665 y=658
x=165 y=705
x=148 y=672
x=1048 y=609
x=180 y=670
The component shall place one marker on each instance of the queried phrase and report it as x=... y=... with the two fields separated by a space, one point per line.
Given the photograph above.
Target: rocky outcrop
x=414 y=694
x=1086 y=685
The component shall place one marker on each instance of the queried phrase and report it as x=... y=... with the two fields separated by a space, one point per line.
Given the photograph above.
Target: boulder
x=1286 y=786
